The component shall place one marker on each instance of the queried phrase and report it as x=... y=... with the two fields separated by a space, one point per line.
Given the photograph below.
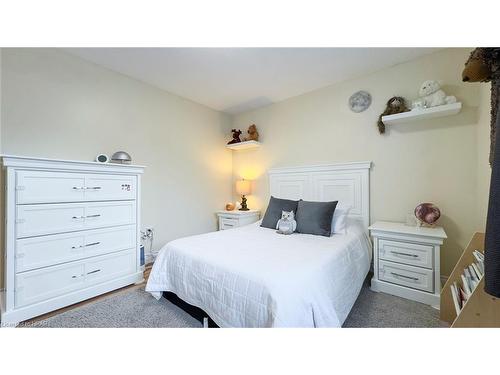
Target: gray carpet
x=380 y=310
x=137 y=308
x=132 y=309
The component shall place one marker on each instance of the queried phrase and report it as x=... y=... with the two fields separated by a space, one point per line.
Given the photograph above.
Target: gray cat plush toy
x=287 y=223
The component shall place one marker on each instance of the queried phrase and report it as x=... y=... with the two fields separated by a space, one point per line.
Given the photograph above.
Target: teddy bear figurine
x=253 y=134
x=431 y=95
x=396 y=104
x=236 y=137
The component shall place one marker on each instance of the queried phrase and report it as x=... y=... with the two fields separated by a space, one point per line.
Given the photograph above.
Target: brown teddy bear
x=253 y=134
x=396 y=104
x=483 y=65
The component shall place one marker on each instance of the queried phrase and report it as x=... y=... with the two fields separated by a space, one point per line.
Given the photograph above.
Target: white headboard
x=349 y=183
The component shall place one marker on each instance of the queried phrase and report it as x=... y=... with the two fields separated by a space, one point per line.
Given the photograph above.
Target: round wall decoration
x=360 y=101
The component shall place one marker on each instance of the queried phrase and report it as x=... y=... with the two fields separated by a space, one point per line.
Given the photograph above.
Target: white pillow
x=339 y=219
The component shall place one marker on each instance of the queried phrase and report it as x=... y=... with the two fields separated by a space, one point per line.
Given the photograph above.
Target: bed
x=253 y=277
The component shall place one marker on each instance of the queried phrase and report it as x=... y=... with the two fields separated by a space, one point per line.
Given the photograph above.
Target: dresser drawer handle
x=78 y=188
x=93 y=188
x=92 y=244
x=404 y=276
x=96 y=215
x=406 y=254
x=78 y=217
x=91 y=272
x=76 y=247
x=76 y=276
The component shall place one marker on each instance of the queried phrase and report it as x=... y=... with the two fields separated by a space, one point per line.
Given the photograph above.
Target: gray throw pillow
x=315 y=217
x=273 y=212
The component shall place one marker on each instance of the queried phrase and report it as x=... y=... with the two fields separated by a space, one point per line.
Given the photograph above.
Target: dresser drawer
x=101 y=269
x=38 y=252
x=109 y=187
x=226 y=223
x=54 y=187
x=409 y=276
x=42 y=219
x=39 y=285
x=50 y=282
x=406 y=253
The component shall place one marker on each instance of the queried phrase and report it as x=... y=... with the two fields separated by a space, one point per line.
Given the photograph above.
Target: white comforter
x=253 y=277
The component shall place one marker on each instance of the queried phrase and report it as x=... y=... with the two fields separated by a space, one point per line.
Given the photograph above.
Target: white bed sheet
x=253 y=277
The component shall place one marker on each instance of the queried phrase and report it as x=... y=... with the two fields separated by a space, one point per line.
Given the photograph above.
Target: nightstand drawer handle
x=408 y=255
x=404 y=276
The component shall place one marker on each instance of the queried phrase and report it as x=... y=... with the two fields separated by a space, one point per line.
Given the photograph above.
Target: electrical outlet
x=147 y=233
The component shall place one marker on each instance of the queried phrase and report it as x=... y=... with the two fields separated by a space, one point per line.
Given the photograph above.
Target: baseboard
x=404 y=292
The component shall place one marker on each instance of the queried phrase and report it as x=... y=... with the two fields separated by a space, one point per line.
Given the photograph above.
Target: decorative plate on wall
x=360 y=101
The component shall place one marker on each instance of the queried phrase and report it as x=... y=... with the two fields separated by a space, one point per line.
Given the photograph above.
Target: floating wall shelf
x=422 y=114
x=244 y=145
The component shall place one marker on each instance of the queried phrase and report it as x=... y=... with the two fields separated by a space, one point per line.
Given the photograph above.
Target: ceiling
x=235 y=80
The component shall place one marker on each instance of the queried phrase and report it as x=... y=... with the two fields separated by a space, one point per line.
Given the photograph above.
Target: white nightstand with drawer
x=236 y=218
x=406 y=261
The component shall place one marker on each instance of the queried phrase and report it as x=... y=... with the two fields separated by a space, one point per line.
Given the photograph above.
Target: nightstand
x=236 y=218
x=406 y=261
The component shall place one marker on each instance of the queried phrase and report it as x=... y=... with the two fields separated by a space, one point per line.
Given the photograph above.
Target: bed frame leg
x=205 y=322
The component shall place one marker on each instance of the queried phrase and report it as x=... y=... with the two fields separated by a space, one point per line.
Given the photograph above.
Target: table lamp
x=243 y=188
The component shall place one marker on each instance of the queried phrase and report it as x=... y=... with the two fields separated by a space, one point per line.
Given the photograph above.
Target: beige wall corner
x=432 y=161
x=60 y=106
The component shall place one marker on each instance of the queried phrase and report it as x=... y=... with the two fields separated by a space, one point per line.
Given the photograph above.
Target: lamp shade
x=243 y=187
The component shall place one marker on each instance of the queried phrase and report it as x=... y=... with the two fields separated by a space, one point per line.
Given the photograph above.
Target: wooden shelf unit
x=481 y=310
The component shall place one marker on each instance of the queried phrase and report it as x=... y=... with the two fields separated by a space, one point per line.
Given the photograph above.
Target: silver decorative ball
x=121 y=157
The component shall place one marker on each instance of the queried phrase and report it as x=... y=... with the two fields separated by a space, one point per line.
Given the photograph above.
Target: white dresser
x=406 y=261
x=72 y=232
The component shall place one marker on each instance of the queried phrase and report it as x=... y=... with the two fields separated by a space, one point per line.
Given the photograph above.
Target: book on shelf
x=479 y=257
x=466 y=286
x=479 y=254
x=454 y=295
x=473 y=274
x=478 y=272
x=462 y=289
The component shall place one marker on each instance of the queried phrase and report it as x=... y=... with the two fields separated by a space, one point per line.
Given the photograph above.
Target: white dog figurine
x=287 y=223
x=431 y=95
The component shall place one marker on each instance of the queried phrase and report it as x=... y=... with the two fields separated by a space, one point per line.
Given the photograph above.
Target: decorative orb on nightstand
x=230 y=206
x=427 y=213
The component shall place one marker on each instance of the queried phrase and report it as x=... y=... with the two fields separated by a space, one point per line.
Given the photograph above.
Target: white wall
x=57 y=105
x=434 y=161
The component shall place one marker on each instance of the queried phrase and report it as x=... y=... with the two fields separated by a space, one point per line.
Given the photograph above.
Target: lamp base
x=243 y=204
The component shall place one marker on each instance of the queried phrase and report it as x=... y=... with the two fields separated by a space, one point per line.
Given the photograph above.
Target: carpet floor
x=136 y=309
